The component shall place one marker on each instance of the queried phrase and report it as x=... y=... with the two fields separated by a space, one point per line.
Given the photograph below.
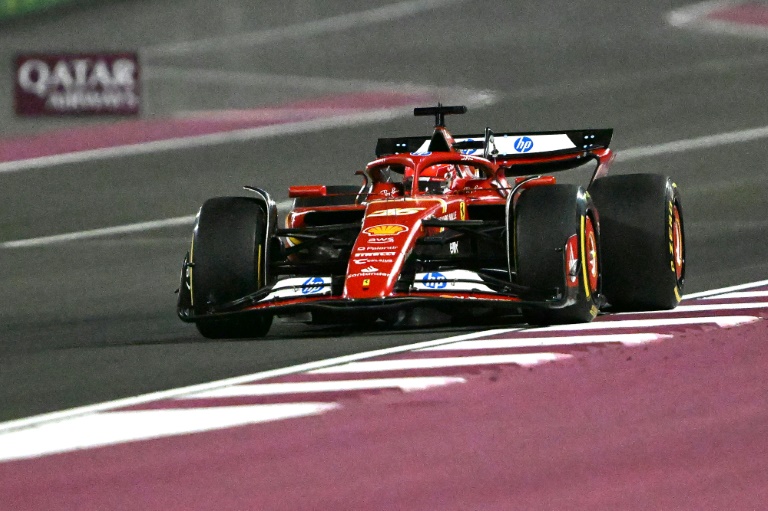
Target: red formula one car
x=469 y=225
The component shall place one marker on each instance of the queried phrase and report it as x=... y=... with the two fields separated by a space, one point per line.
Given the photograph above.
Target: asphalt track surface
x=93 y=320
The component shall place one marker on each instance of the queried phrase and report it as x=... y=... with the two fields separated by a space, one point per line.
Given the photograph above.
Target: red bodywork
x=394 y=214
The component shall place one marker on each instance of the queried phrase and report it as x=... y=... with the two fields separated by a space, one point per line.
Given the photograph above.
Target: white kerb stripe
x=484 y=344
x=703 y=307
x=522 y=359
x=63 y=415
x=275 y=389
x=721 y=321
x=737 y=295
x=109 y=428
x=724 y=290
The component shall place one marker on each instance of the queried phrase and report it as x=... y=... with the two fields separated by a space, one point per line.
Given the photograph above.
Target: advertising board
x=77 y=84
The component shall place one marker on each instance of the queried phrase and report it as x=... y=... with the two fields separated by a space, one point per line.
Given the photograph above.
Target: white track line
x=352 y=20
x=721 y=321
x=486 y=344
x=238 y=380
x=689 y=13
x=702 y=308
x=225 y=137
x=522 y=359
x=98 y=233
x=276 y=389
x=101 y=429
x=725 y=290
x=737 y=295
x=695 y=16
x=113 y=231
x=690 y=144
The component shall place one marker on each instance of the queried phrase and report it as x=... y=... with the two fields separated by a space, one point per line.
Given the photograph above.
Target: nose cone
x=378 y=257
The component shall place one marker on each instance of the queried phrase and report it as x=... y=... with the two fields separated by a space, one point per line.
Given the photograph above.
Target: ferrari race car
x=467 y=226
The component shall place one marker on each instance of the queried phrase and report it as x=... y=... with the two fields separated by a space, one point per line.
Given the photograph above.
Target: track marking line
x=113 y=231
x=701 y=308
x=725 y=290
x=521 y=359
x=102 y=429
x=275 y=389
x=722 y=17
x=535 y=342
x=690 y=144
x=737 y=295
x=37 y=420
x=313 y=28
x=721 y=321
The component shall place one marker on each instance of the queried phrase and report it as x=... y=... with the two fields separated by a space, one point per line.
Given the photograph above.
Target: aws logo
x=385 y=230
x=396 y=212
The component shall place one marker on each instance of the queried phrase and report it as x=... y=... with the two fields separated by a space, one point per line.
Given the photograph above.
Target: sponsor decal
x=449 y=216
x=299 y=286
x=392 y=192
x=375 y=254
x=370 y=269
x=366 y=282
x=463 y=211
x=454 y=247
x=572 y=260
x=451 y=281
x=373 y=274
x=312 y=285
x=523 y=144
x=396 y=212
x=381 y=240
x=434 y=280
x=374 y=260
x=370 y=249
x=90 y=83
x=385 y=230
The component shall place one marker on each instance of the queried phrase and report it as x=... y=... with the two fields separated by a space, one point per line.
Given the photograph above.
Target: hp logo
x=523 y=144
x=312 y=285
x=434 y=280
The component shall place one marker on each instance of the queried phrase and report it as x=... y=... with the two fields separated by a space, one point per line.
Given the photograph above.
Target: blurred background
x=273 y=93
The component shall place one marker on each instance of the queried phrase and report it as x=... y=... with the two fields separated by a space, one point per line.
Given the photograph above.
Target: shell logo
x=385 y=230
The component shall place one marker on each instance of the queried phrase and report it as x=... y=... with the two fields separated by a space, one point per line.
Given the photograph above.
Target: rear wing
x=506 y=146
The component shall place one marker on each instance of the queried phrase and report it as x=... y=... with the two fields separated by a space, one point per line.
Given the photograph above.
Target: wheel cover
x=678 y=260
x=592 y=270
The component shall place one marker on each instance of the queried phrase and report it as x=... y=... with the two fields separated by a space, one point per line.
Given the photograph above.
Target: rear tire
x=228 y=262
x=643 y=247
x=555 y=228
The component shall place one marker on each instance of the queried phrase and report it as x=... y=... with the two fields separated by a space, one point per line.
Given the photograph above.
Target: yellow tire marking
x=190 y=269
x=584 y=255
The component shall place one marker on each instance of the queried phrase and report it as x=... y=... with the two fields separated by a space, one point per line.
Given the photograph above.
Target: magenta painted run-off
x=142 y=131
x=755 y=14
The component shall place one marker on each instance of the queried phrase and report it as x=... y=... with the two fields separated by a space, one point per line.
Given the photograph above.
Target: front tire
x=641 y=218
x=557 y=248
x=228 y=262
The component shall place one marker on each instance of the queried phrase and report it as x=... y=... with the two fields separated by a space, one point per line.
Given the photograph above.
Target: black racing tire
x=337 y=195
x=643 y=247
x=545 y=219
x=228 y=262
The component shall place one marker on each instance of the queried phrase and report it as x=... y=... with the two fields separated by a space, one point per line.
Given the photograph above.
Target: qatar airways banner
x=79 y=84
